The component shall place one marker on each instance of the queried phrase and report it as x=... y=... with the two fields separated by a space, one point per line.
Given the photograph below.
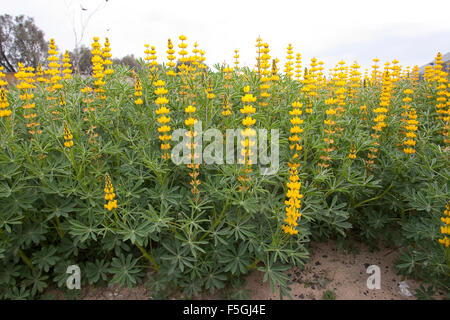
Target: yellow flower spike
x=25 y=76
x=109 y=194
x=162 y=119
x=68 y=143
x=4 y=104
x=410 y=124
x=289 y=63
x=138 y=92
x=190 y=109
x=98 y=67
x=190 y=121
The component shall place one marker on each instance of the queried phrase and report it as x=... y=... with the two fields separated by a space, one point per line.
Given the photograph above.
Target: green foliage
x=329 y=295
x=52 y=198
x=425 y=293
x=21 y=41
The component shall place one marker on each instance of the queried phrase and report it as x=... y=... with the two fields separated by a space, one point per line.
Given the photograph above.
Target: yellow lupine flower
x=161 y=100
x=190 y=109
x=190 y=121
x=109 y=194
x=68 y=143
x=162 y=110
x=163 y=119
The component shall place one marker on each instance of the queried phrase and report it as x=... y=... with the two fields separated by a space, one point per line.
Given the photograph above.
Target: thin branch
x=9 y=65
x=79 y=34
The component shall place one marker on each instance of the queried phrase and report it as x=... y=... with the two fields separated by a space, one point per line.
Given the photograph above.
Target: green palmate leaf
x=192 y=288
x=425 y=293
x=19 y=293
x=408 y=263
x=69 y=247
x=136 y=232
x=421 y=228
x=5 y=190
x=241 y=229
x=250 y=204
x=125 y=271
x=33 y=233
x=178 y=256
x=158 y=220
x=275 y=273
x=57 y=207
x=239 y=290
x=192 y=221
x=188 y=240
x=236 y=260
x=113 y=242
x=220 y=234
x=97 y=271
x=36 y=282
x=420 y=201
x=45 y=258
x=83 y=231
x=8 y=219
x=168 y=196
x=214 y=281
x=8 y=274
x=22 y=201
x=159 y=287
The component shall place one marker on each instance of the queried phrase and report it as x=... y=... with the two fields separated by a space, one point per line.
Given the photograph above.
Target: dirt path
x=342 y=272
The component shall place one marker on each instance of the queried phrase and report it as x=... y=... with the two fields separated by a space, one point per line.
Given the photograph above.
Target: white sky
x=408 y=30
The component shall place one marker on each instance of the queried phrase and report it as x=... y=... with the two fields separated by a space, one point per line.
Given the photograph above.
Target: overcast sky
x=410 y=31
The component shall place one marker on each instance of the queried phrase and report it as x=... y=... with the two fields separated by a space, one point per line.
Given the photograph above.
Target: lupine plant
x=87 y=176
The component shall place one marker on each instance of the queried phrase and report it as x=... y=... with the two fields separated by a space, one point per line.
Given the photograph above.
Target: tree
x=83 y=55
x=128 y=60
x=21 y=41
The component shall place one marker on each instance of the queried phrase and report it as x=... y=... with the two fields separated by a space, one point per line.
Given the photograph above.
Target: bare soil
x=337 y=270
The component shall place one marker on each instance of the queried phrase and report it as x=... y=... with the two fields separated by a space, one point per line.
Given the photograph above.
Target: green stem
x=211 y=110
x=377 y=197
x=305 y=151
x=148 y=257
x=59 y=229
x=253 y=265
x=217 y=221
x=25 y=259
x=116 y=216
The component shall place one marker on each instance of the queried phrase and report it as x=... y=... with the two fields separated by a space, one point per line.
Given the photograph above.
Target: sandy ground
x=342 y=272
x=330 y=269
